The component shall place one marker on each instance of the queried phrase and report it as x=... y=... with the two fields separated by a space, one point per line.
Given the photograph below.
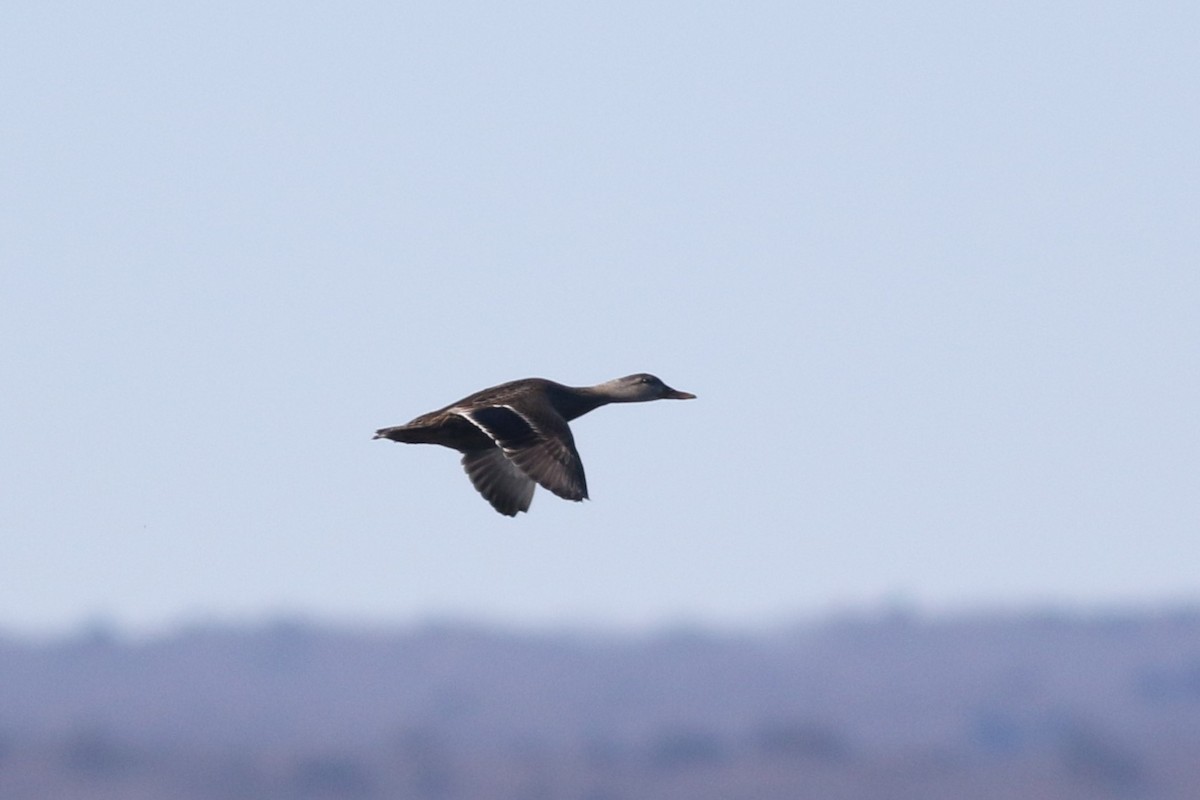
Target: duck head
x=640 y=388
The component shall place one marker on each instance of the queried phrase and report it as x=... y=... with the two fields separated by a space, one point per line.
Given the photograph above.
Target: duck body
x=515 y=436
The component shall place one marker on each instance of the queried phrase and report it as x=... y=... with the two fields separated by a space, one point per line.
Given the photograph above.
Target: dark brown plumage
x=515 y=435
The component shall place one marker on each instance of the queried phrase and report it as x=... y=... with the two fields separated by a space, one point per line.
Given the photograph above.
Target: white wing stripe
x=527 y=420
x=467 y=416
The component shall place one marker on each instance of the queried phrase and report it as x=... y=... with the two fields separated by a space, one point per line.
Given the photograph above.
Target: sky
x=930 y=268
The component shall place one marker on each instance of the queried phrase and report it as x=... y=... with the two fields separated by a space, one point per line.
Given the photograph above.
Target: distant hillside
x=1050 y=706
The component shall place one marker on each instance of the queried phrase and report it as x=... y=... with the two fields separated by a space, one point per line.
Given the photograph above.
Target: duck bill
x=675 y=394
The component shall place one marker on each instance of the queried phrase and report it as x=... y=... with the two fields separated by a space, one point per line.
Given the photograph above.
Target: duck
x=515 y=436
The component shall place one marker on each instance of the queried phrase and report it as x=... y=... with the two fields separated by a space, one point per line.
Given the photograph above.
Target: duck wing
x=499 y=480
x=537 y=441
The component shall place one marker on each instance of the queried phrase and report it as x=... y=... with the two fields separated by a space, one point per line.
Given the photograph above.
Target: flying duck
x=515 y=435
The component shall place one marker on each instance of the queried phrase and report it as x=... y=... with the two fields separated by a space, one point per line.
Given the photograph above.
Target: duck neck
x=575 y=401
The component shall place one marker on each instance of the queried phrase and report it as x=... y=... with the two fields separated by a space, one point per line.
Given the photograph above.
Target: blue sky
x=930 y=267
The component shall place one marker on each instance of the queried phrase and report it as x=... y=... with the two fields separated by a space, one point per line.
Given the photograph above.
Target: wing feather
x=500 y=481
x=539 y=444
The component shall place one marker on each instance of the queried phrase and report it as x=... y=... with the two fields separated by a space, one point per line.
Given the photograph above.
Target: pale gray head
x=640 y=388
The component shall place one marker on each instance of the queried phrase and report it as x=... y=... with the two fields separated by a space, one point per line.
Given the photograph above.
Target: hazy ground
x=1045 y=706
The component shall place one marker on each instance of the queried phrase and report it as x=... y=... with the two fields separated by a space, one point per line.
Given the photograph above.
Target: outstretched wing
x=500 y=481
x=540 y=445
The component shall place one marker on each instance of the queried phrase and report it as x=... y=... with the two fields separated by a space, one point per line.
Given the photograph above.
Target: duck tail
x=396 y=434
x=405 y=433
